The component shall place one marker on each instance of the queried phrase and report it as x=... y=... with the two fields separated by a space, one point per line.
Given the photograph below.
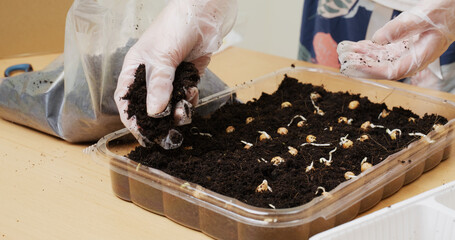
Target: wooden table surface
x=49 y=189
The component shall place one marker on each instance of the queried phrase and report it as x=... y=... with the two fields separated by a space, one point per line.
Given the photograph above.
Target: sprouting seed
x=310 y=138
x=324 y=193
x=366 y=125
x=293 y=151
x=348 y=175
x=263 y=187
x=363 y=138
x=394 y=133
x=247 y=144
x=317 y=109
x=310 y=167
x=315 y=96
x=411 y=119
x=301 y=124
x=347 y=144
x=277 y=160
x=364 y=165
x=286 y=105
x=325 y=161
x=248 y=120
x=384 y=114
x=345 y=120
x=282 y=131
x=353 y=104
x=264 y=136
x=297 y=116
x=230 y=129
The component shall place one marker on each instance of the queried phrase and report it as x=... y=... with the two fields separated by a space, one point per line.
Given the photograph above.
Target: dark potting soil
x=186 y=76
x=219 y=161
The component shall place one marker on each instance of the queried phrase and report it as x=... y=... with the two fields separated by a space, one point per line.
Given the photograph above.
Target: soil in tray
x=219 y=159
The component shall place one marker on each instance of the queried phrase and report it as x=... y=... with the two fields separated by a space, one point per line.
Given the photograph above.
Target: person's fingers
x=404 y=26
x=159 y=89
x=391 y=61
x=192 y=95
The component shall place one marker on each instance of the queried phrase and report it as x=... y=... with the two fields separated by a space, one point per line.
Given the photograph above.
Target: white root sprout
x=324 y=193
x=325 y=161
x=318 y=110
x=393 y=133
x=316 y=144
x=310 y=167
x=247 y=144
x=297 y=116
x=195 y=131
x=423 y=136
x=264 y=135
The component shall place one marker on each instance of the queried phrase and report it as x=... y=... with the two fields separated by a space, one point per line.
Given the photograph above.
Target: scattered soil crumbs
x=220 y=161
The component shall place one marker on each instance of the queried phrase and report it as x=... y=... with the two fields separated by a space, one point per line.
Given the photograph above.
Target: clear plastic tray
x=226 y=218
x=430 y=215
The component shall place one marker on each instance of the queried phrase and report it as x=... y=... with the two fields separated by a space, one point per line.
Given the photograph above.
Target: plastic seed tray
x=222 y=217
x=430 y=215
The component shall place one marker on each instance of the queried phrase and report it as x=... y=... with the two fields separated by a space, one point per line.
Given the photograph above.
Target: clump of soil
x=218 y=160
x=186 y=76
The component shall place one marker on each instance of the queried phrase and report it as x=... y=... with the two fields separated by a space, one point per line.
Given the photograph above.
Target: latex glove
x=186 y=30
x=404 y=46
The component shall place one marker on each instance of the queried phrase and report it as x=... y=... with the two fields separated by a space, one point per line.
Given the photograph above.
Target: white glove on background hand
x=186 y=30
x=404 y=46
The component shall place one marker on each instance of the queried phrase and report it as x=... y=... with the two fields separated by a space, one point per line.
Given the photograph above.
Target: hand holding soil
x=163 y=128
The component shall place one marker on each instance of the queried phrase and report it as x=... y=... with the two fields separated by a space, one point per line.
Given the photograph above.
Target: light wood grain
x=49 y=189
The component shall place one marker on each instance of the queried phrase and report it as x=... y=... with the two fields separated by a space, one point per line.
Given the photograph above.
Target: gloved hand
x=404 y=46
x=186 y=30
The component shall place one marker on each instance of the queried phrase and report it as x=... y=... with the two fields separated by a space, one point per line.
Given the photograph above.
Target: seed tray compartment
x=223 y=217
x=430 y=215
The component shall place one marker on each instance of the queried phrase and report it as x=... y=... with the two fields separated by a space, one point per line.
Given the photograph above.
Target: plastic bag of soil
x=72 y=98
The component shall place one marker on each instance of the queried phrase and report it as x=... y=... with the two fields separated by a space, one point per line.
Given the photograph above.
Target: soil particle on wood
x=219 y=161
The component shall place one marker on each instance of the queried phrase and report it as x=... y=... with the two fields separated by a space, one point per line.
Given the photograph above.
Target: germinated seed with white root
x=315 y=96
x=345 y=120
x=364 y=165
x=363 y=138
x=282 y=131
x=263 y=187
x=230 y=129
x=264 y=136
x=295 y=117
x=349 y=175
x=324 y=193
x=277 y=160
x=310 y=167
x=286 y=105
x=247 y=144
x=347 y=144
x=384 y=114
x=367 y=125
x=310 y=138
x=393 y=133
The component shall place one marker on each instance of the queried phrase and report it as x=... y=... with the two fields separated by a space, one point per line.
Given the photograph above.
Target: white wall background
x=270 y=26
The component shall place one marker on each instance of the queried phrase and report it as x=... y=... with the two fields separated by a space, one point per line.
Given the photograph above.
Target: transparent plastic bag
x=72 y=98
